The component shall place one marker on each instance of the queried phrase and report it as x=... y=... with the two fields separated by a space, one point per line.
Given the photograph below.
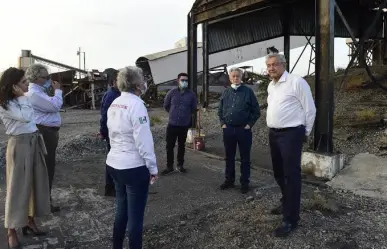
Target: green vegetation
x=154 y=120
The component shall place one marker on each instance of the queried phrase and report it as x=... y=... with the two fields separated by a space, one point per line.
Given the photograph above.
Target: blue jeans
x=233 y=136
x=132 y=187
x=286 y=151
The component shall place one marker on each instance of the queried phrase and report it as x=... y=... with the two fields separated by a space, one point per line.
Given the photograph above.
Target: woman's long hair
x=9 y=78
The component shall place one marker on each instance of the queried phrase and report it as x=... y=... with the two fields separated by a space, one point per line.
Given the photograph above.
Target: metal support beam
x=188 y=42
x=285 y=31
x=206 y=85
x=362 y=51
x=358 y=47
x=217 y=11
x=192 y=61
x=385 y=38
x=324 y=75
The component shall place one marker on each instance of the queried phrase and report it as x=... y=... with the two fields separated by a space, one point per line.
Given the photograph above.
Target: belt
x=48 y=127
x=235 y=126
x=285 y=128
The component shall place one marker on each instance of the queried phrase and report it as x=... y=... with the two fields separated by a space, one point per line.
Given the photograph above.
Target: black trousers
x=286 y=150
x=174 y=133
x=51 y=139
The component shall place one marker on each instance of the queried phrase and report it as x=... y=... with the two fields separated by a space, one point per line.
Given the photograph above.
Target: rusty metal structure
x=228 y=24
x=82 y=91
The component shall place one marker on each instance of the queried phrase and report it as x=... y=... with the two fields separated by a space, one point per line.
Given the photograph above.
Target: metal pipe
x=57 y=64
x=325 y=30
x=206 y=85
x=341 y=15
x=285 y=32
x=299 y=57
x=84 y=61
x=79 y=54
x=192 y=61
x=188 y=48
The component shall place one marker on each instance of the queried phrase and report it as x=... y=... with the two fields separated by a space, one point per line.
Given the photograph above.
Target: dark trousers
x=51 y=138
x=286 y=150
x=174 y=133
x=108 y=179
x=233 y=136
x=132 y=187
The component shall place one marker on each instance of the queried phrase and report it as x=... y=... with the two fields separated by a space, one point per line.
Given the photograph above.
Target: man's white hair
x=280 y=57
x=35 y=71
x=130 y=79
x=236 y=69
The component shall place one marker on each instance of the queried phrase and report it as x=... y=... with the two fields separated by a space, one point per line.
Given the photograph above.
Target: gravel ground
x=330 y=219
x=348 y=222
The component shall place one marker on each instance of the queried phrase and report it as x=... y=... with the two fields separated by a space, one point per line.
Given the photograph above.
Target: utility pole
x=79 y=57
x=79 y=53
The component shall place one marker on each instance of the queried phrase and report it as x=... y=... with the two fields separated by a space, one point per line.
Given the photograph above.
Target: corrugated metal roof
x=158 y=55
x=265 y=24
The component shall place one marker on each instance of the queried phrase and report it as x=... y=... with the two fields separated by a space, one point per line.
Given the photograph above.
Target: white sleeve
x=21 y=111
x=304 y=95
x=45 y=103
x=143 y=136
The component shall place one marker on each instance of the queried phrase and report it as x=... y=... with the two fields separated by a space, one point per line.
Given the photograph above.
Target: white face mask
x=144 y=89
x=183 y=84
x=234 y=86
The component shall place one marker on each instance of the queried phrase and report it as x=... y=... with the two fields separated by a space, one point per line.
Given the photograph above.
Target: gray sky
x=113 y=33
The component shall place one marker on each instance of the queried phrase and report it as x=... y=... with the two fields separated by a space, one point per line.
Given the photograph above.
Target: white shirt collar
x=36 y=86
x=283 y=78
x=132 y=95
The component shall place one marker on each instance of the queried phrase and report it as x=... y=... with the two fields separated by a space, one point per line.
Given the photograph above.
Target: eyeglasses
x=46 y=77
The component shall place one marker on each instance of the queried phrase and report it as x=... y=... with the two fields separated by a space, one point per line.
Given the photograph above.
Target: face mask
x=47 y=84
x=183 y=84
x=145 y=88
x=234 y=86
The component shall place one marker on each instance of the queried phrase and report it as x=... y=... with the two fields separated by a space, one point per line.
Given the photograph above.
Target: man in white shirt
x=47 y=114
x=290 y=116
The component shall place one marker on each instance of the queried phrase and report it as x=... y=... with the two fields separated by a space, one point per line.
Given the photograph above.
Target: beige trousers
x=28 y=192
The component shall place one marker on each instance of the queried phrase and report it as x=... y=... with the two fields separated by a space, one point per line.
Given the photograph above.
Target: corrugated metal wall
x=266 y=24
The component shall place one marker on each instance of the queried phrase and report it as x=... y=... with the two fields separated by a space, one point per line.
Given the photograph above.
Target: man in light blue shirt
x=47 y=116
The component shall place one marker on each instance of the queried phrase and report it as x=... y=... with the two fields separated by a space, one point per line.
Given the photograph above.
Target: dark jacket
x=107 y=100
x=181 y=106
x=238 y=107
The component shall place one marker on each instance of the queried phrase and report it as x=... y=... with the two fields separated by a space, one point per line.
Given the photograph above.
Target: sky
x=112 y=33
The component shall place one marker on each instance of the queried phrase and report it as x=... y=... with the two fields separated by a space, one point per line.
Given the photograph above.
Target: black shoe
x=167 y=171
x=181 y=169
x=285 y=229
x=277 y=210
x=245 y=188
x=110 y=190
x=28 y=230
x=55 y=209
x=226 y=185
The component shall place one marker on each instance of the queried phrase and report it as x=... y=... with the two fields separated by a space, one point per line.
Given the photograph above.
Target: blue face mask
x=47 y=84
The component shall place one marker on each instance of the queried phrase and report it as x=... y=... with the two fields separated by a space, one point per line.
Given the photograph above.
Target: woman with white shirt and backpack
x=131 y=161
x=28 y=194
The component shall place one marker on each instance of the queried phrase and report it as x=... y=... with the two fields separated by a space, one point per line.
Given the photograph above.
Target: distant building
x=181 y=43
